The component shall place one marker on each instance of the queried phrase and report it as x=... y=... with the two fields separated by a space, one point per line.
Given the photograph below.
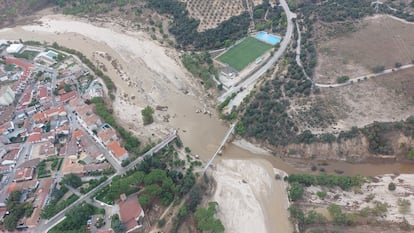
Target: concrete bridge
x=229 y=132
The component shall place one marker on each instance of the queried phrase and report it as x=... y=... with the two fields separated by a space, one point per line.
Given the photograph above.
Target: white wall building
x=14 y=48
x=6 y=96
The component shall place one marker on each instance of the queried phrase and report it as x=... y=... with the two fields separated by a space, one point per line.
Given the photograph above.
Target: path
x=298 y=48
x=363 y=77
x=352 y=80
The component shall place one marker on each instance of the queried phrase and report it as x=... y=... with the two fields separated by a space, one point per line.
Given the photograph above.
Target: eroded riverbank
x=170 y=85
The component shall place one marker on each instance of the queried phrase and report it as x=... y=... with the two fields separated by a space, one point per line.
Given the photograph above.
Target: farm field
x=375 y=41
x=244 y=53
x=212 y=13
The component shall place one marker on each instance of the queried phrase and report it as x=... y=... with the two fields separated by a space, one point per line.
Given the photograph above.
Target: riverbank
x=141 y=82
x=374 y=199
x=250 y=199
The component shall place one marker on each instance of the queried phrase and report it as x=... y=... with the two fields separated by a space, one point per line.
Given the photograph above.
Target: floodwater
x=203 y=133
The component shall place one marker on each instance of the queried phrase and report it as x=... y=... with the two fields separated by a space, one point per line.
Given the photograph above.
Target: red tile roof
x=35 y=137
x=116 y=149
x=40 y=117
x=27 y=98
x=77 y=134
x=23 y=174
x=107 y=134
x=55 y=111
x=11 y=155
x=129 y=211
x=41 y=194
x=67 y=96
x=42 y=92
x=76 y=102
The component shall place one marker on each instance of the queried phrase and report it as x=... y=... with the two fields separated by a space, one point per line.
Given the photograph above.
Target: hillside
x=297 y=117
x=13 y=11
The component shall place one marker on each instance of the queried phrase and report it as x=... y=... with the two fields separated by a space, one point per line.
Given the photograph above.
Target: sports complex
x=249 y=50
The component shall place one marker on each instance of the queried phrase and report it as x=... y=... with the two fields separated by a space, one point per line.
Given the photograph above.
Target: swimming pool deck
x=267 y=38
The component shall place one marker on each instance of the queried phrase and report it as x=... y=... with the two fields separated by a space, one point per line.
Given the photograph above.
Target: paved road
x=247 y=85
x=46 y=225
x=76 y=125
x=153 y=150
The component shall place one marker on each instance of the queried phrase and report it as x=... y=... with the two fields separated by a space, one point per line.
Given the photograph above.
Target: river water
x=203 y=133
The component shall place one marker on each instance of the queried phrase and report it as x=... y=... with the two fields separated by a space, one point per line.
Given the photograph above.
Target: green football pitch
x=244 y=53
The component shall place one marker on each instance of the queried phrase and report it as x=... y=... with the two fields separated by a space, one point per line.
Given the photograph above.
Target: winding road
x=364 y=77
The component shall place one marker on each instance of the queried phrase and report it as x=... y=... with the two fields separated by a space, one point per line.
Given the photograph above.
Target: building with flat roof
x=7 y=95
x=23 y=174
x=14 y=48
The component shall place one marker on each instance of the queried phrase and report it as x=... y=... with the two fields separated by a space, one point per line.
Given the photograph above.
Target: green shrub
x=342 y=79
x=391 y=186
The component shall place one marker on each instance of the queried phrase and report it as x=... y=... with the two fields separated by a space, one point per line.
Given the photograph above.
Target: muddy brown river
x=203 y=133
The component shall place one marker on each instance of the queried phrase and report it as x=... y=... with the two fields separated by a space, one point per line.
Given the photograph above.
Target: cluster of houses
x=36 y=104
x=101 y=132
x=43 y=115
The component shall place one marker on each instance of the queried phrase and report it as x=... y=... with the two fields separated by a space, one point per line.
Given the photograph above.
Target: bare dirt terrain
x=384 y=98
x=376 y=41
x=211 y=13
x=367 y=196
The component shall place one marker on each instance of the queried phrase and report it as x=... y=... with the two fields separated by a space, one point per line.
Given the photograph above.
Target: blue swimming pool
x=267 y=38
x=51 y=54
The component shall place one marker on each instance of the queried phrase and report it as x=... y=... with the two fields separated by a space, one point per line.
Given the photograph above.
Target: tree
x=117 y=225
x=410 y=154
x=378 y=69
x=295 y=191
x=342 y=79
x=391 y=186
x=144 y=200
x=17 y=210
x=72 y=180
x=67 y=87
x=147 y=113
x=398 y=64
x=206 y=221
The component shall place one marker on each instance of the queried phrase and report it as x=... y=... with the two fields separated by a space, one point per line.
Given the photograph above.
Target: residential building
x=131 y=213
x=7 y=95
x=42 y=193
x=117 y=150
x=24 y=174
x=107 y=135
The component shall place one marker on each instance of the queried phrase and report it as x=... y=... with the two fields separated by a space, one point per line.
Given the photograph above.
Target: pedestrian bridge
x=229 y=132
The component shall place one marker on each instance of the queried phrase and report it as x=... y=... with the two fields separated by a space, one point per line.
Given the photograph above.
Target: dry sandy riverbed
x=154 y=75
x=249 y=197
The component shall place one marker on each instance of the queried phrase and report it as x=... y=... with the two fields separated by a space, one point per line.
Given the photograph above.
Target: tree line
x=184 y=28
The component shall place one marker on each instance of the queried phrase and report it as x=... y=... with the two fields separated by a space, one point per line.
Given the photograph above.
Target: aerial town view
x=207 y=116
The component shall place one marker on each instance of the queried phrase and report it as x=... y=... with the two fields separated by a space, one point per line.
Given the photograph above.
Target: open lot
x=388 y=97
x=244 y=53
x=375 y=41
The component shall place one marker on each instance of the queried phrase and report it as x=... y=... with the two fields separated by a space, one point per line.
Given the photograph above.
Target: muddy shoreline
x=201 y=133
